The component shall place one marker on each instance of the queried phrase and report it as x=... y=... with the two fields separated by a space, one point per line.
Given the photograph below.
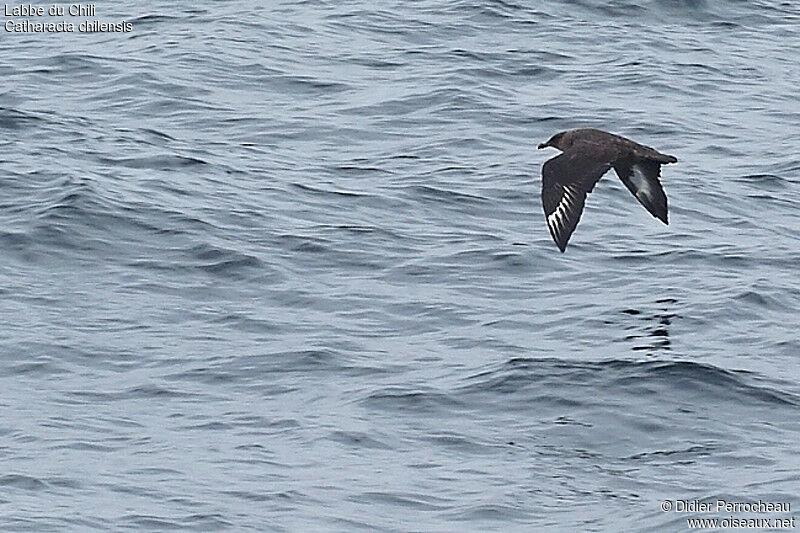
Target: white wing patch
x=569 y=201
x=642 y=183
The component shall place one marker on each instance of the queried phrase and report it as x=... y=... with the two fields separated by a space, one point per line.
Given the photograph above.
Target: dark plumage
x=587 y=155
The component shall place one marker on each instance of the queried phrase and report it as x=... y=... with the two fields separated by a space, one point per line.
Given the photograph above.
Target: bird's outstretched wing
x=566 y=180
x=641 y=178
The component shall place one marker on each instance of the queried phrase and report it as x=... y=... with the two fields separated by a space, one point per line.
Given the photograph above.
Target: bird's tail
x=664 y=158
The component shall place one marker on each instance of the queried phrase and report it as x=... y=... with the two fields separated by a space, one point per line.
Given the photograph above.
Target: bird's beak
x=543 y=145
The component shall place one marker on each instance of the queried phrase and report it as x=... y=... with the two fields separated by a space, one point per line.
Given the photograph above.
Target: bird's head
x=562 y=141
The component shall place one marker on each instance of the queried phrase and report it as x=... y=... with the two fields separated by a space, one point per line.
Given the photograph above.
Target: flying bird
x=586 y=155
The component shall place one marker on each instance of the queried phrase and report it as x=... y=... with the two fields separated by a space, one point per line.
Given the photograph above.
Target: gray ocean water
x=283 y=266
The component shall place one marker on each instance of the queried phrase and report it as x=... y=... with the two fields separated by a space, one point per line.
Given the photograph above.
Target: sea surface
x=283 y=266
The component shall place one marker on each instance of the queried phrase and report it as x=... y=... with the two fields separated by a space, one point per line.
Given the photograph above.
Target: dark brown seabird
x=586 y=155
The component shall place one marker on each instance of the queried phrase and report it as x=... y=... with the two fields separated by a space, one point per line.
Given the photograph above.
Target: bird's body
x=587 y=155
